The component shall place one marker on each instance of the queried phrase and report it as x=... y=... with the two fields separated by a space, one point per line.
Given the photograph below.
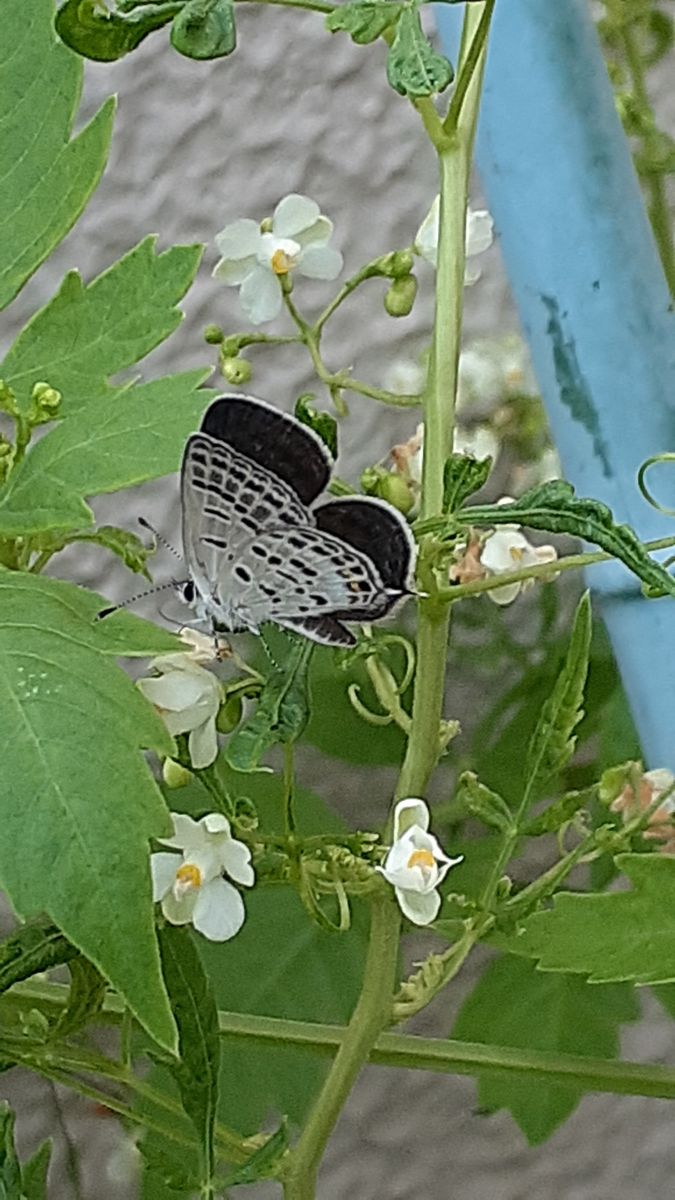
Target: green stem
x=470 y=75
x=371 y=1014
x=289 y=790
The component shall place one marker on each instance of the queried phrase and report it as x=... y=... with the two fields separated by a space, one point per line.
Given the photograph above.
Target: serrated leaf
x=82 y=806
x=86 y=333
x=364 y=20
x=33 y=947
x=615 y=936
x=282 y=710
x=205 y=29
x=85 y=997
x=322 y=423
x=34 y=1173
x=127 y=545
x=46 y=178
x=262 y=1162
x=10 y=1172
x=196 y=1015
x=462 y=476
x=138 y=435
x=414 y=68
x=102 y=34
x=555 y=508
x=517 y=1006
x=558 y=814
x=553 y=740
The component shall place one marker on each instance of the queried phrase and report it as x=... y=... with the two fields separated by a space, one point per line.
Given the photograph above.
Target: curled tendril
x=373 y=718
x=654 y=460
x=310 y=900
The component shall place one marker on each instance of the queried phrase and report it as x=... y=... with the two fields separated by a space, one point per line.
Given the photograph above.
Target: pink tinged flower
x=187 y=698
x=479 y=236
x=416 y=865
x=507 y=550
x=408 y=457
x=632 y=802
x=190 y=884
x=255 y=258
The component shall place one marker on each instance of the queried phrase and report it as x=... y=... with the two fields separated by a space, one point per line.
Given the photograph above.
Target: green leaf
x=413 y=66
x=87 y=990
x=558 y=814
x=517 y=1006
x=364 y=20
x=462 y=476
x=196 y=1015
x=82 y=806
x=33 y=947
x=97 y=32
x=205 y=29
x=620 y=935
x=553 y=741
x=487 y=806
x=114 y=444
x=322 y=423
x=127 y=545
x=47 y=178
x=85 y=334
x=282 y=710
x=10 y=1172
x=34 y=1173
x=334 y=726
x=262 y=1162
x=554 y=507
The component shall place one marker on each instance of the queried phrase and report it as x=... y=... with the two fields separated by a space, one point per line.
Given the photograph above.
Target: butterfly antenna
x=159 y=537
x=162 y=587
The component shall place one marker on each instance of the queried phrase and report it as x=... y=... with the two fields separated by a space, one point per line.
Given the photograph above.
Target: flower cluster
x=416 y=865
x=636 y=798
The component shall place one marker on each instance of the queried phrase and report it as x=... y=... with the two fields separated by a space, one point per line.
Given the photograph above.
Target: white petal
x=320 y=231
x=411 y=811
x=545 y=554
x=661 y=780
x=506 y=594
x=320 y=261
x=186 y=832
x=203 y=744
x=260 y=296
x=270 y=245
x=418 y=908
x=179 y=912
x=215 y=823
x=426 y=238
x=219 y=911
x=294 y=214
x=479 y=231
x=240 y=239
x=480 y=442
x=233 y=271
x=471 y=275
x=504 y=551
x=163 y=871
x=236 y=860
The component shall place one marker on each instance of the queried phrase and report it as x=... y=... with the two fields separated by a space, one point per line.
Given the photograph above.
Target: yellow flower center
x=189 y=876
x=516 y=553
x=421 y=858
x=282 y=262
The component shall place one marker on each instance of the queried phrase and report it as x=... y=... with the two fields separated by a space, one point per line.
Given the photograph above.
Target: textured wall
x=196 y=146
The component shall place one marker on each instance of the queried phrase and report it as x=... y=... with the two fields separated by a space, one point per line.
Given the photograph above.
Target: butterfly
x=257 y=546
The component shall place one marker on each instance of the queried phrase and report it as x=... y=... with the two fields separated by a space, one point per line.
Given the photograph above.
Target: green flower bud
x=213 y=335
x=5 y=447
x=401 y=296
x=398 y=264
x=266 y=225
x=370 y=480
x=46 y=397
x=7 y=399
x=174 y=775
x=230 y=714
x=396 y=491
x=236 y=370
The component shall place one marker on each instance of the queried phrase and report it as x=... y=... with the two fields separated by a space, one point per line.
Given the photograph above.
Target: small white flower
x=479 y=236
x=405 y=377
x=187 y=698
x=190 y=885
x=415 y=865
x=254 y=258
x=506 y=550
x=480 y=442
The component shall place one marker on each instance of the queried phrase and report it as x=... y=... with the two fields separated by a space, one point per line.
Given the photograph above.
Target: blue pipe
x=592 y=298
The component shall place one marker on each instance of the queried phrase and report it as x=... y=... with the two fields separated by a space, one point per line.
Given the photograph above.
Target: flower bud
x=390 y=487
x=46 y=397
x=7 y=399
x=400 y=297
x=398 y=264
x=236 y=370
x=229 y=714
x=174 y=775
x=213 y=335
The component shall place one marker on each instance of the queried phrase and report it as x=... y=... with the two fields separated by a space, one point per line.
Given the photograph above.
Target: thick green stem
x=368 y=1020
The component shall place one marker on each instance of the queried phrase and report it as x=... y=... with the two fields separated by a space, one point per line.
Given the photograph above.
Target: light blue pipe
x=592 y=298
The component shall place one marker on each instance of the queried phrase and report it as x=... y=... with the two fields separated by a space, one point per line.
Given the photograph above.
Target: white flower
x=415 y=864
x=479 y=234
x=506 y=550
x=480 y=442
x=405 y=377
x=254 y=258
x=187 y=698
x=204 y=647
x=190 y=885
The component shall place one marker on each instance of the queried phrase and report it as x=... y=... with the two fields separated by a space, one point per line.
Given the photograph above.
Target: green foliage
x=34 y=1174
x=76 y=824
x=33 y=947
x=478 y=801
x=554 y=507
x=87 y=990
x=205 y=29
x=462 y=477
x=47 y=178
x=10 y=1171
x=364 y=20
x=196 y=1015
x=103 y=34
x=515 y=1005
x=334 y=726
x=322 y=423
x=127 y=545
x=622 y=935
x=414 y=68
x=263 y=1161
x=86 y=333
x=282 y=710
x=138 y=436
x=553 y=741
